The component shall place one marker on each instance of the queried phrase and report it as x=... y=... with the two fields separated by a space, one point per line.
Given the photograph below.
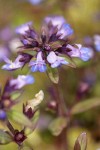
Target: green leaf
x=35 y=117
x=34 y=121
x=53 y=74
x=19 y=118
x=80 y=63
x=31 y=52
x=28 y=51
x=15 y=95
x=55 y=45
x=85 y=105
x=81 y=142
x=57 y=126
x=4 y=137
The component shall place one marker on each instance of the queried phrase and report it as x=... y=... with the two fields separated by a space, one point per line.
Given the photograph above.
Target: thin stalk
x=60 y=101
x=61 y=112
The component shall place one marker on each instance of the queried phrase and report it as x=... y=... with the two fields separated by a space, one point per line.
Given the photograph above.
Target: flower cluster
x=50 y=47
x=11 y=86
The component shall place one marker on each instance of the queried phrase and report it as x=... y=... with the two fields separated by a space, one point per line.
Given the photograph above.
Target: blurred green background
x=84 y=18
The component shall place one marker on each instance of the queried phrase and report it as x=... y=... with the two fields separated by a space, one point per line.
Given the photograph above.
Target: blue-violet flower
x=21 y=81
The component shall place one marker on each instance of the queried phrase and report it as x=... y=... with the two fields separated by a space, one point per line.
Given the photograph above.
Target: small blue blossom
x=55 y=60
x=21 y=81
x=2 y=114
x=78 y=51
x=12 y=65
x=39 y=64
x=86 y=53
x=65 y=31
x=23 y=28
x=97 y=42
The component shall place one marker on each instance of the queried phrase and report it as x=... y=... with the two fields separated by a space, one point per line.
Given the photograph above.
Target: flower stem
x=61 y=112
x=61 y=106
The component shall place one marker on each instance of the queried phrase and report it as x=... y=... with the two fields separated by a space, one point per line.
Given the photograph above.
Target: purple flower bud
x=19 y=137
x=52 y=105
x=21 y=81
x=2 y=115
x=55 y=60
x=29 y=112
x=39 y=64
x=23 y=28
x=12 y=65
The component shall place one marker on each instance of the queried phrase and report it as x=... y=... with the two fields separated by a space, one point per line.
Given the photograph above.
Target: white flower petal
x=51 y=58
x=36 y=101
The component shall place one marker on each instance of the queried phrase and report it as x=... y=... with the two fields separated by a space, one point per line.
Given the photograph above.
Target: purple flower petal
x=23 y=28
x=55 y=20
x=65 y=31
x=34 y=67
x=2 y=114
x=55 y=64
x=75 y=52
x=86 y=53
x=62 y=60
x=83 y=53
x=39 y=64
x=12 y=65
x=42 y=68
x=51 y=58
x=55 y=60
x=21 y=81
